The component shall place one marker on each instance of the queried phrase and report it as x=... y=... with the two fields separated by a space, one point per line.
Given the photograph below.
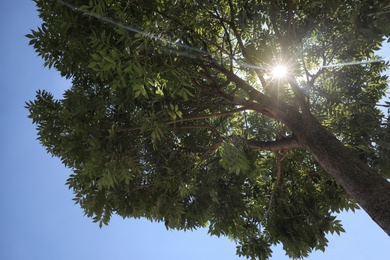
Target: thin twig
x=190 y=118
x=242 y=46
x=279 y=158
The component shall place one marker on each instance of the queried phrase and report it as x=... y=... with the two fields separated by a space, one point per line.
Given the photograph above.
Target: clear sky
x=38 y=219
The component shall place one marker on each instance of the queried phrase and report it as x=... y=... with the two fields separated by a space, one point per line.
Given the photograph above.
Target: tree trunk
x=369 y=189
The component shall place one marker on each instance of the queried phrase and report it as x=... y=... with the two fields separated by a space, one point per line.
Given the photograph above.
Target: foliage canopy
x=172 y=114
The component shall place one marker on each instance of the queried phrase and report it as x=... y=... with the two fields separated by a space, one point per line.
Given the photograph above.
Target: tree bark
x=369 y=189
x=278 y=145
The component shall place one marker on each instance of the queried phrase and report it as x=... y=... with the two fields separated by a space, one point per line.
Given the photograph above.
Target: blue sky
x=38 y=219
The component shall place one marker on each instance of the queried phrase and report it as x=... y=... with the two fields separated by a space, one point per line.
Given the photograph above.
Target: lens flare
x=279 y=71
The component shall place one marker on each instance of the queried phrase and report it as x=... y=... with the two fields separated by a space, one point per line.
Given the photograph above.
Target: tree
x=174 y=115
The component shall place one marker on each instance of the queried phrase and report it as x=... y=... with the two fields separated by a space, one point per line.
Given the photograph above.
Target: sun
x=279 y=71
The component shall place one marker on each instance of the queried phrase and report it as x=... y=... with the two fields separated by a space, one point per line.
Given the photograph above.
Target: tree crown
x=174 y=114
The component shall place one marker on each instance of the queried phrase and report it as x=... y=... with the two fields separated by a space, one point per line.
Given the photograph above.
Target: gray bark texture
x=369 y=189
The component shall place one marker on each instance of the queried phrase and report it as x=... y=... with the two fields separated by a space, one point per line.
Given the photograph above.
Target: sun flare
x=279 y=71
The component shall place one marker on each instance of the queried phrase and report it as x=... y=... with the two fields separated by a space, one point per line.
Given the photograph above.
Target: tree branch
x=204 y=106
x=273 y=8
x=264 y=104
x=279 y=145
x=300 y=97
x=213 y=147
x=242 y=46
x=279 y=158
x=211 y=128
x=190 y=118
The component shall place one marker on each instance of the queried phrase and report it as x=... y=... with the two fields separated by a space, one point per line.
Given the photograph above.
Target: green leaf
x=96 y=57
x=92 y=64
x=159 y=92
